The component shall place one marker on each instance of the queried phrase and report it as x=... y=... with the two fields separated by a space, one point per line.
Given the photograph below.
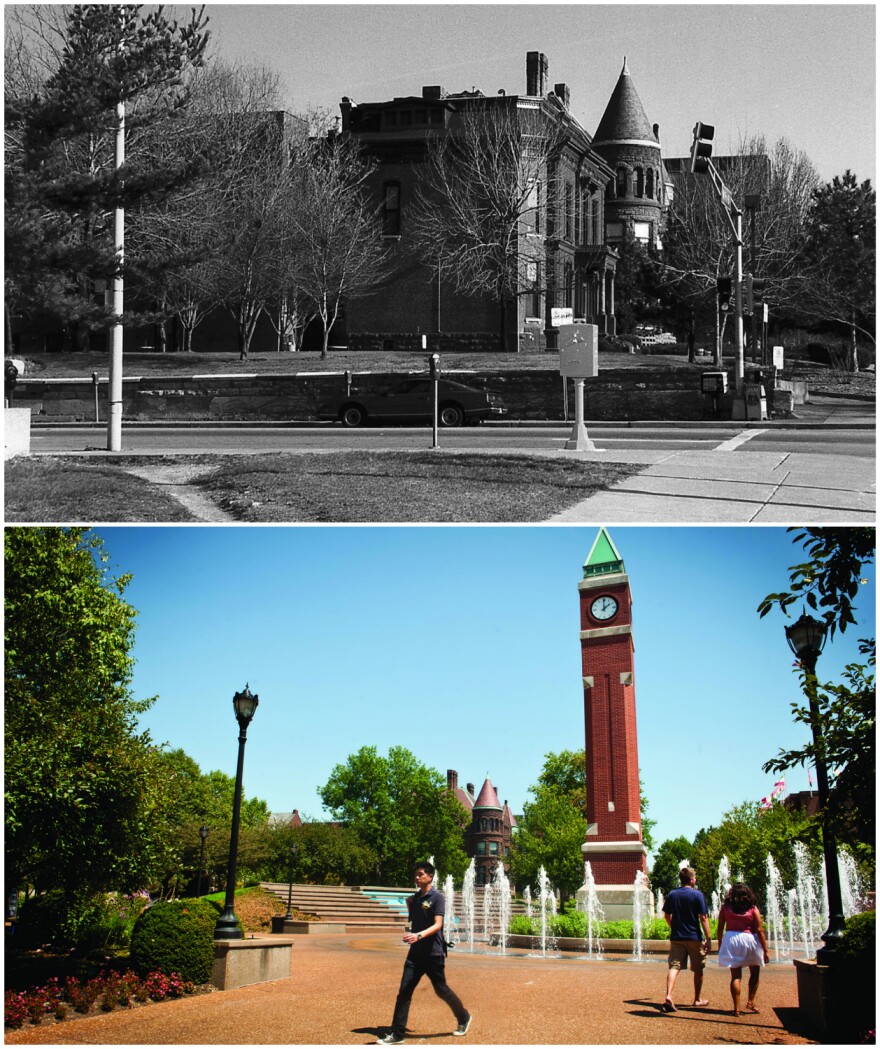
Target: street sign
x=560 y=315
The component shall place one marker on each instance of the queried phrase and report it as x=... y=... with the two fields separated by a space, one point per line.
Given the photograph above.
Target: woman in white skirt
x=742 y=942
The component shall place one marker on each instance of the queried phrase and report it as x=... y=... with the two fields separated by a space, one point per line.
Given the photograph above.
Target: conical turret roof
x=624 y=119
x=488 y=797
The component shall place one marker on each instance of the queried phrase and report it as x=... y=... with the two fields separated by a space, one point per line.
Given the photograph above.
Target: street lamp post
x=203 y=833
x=245 y=704
x=289 y=916
x=806 y=638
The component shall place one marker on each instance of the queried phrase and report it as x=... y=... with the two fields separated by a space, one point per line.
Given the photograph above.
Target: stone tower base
x=617 y=901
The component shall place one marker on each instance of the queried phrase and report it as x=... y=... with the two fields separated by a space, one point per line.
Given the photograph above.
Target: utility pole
x=753 y=205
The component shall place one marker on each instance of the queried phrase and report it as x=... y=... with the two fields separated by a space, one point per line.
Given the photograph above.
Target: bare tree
x=339 y=254
x=699 y=246
x=485 y=196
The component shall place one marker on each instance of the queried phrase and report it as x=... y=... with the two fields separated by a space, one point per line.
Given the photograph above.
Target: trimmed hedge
x=854 y=980
x=175 y=936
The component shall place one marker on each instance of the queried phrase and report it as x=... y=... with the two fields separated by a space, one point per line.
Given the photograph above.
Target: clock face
x=604 y=607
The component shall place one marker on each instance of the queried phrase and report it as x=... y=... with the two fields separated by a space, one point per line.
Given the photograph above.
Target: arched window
x=621 y=182
x=650 y=187
x=639 y=187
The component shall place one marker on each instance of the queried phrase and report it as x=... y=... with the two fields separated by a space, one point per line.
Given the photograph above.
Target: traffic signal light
x=701 y=150
x=725 y=289
x=754 y=292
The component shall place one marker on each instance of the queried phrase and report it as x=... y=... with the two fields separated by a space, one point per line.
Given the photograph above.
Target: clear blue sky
x=462 y=644
x=802 y=71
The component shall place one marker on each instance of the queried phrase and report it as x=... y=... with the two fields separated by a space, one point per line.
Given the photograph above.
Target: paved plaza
x=342 y=987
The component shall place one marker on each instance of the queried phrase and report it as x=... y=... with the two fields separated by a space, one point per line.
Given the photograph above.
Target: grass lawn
x=339 y=487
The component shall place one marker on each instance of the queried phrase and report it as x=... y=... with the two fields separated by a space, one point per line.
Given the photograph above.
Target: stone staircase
x=365 y=908
x=342 y=903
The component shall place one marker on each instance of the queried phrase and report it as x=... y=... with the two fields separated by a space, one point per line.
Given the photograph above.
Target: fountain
x=527 y=900
x=640 y=889
x=501 y=894
x=723 y=882
x=775 y=899
x=547 y=902
x=594 y=914
x=659 y=909
x=449 y=925
x=468 y=902
x=807 y=898
x=850 y=882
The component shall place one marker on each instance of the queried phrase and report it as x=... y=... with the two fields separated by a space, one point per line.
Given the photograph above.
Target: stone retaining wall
x=639 y=394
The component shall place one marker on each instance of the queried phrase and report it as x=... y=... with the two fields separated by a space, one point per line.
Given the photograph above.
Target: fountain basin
x=571 y=943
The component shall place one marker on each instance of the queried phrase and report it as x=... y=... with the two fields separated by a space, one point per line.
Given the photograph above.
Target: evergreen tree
x=62 y=182
x=840 y=284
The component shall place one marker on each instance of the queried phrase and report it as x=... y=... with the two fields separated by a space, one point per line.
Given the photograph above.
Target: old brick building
x=573 y=269
x=488 y=837
x=637 y=197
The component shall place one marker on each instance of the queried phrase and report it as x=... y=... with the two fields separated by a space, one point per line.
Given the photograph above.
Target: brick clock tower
x=614 y=846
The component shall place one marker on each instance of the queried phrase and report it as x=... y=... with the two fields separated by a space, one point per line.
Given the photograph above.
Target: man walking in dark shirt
x=685 y=912
x=427 y=956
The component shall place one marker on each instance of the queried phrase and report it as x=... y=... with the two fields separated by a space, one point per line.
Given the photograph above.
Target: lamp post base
x=227 y=927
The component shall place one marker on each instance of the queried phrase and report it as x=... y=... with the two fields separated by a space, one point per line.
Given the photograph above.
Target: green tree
x=828 y=583
x=550 y=835
x=86 y=808
x=840 y=284
x=326 y=854
x=746 y=836
x=667 y=863
x=829 y=580
x=399 y=808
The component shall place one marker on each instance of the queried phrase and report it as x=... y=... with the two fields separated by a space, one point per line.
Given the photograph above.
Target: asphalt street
x=170 y=439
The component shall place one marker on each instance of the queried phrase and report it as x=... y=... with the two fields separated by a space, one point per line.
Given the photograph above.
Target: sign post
x=579 y=360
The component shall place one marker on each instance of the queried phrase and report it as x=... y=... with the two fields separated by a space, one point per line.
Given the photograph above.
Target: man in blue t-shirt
x=685 y=912
x=427 y=956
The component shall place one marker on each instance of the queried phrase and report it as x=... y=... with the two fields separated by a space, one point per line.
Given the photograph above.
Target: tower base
x=617 y=901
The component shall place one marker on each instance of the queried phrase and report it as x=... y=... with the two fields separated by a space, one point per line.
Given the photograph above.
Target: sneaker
x=463 y=1029
x=389 y=1039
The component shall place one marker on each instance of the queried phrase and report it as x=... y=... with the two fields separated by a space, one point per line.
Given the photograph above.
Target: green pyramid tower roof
x=603 y=557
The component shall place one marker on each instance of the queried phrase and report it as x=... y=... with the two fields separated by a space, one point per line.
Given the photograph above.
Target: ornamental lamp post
x=289 y=916
x=203 y=834
x=806 y=638
x=245 y=704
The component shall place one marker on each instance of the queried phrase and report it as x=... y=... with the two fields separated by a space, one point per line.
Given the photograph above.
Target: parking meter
x=434 y=363
x=347 y=382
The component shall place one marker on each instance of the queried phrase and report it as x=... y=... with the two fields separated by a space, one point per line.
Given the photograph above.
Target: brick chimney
x=470 y=790
x=433 y=92
x=451 y=779
x=536 y=74
x=563 y=93
x=345 y=110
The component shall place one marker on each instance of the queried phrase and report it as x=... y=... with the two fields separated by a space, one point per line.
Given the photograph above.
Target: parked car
x=412 y=400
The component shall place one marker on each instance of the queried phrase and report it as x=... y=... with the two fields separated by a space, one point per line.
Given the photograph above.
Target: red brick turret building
x=487 y=839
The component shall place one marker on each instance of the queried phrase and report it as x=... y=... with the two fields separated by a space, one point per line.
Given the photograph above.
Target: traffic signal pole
x=735 y=218
x=701 y=164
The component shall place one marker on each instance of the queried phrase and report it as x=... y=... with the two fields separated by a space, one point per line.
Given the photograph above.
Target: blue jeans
x=434 y=967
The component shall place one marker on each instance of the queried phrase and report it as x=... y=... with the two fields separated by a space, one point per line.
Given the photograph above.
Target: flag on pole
x=778 y=787
x=810 y=778
x=766 y=803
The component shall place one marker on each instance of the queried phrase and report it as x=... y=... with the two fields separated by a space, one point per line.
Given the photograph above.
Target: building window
x=533 y=273
x=391 y=209
x=650 y=187
x=640 y=182
x=569 y=284
x=621 y=182
x=533 y=205
x=642 y=232
x=569 y=211
x=493 y=848
x=481 y=848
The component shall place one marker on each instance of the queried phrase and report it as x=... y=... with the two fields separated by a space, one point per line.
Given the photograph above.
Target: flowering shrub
x=112 y=989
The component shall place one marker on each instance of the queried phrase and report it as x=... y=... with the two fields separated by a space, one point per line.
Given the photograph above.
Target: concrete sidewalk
x=753 y=487
x=341 y=992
